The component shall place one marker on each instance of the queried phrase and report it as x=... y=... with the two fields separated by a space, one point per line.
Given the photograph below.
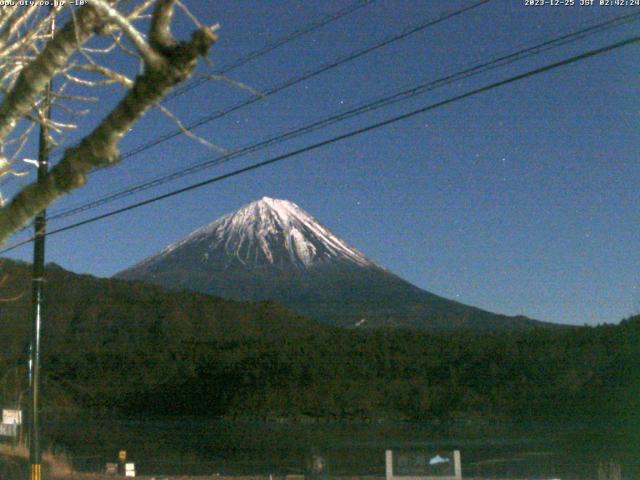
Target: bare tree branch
x=34 y=78
x=160 y=35
x=100 y=147
x=112 y=75
x=188 y=133
x=149 y=55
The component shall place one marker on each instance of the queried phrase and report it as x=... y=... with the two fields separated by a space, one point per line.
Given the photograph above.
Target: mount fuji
x=273 y=250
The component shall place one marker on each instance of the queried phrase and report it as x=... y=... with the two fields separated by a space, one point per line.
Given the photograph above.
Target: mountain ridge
x=272 y=249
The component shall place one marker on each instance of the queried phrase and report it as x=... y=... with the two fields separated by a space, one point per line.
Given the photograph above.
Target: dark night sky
x=522 y=200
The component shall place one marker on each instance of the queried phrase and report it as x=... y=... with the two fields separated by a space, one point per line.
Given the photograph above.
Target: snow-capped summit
x=271 y=231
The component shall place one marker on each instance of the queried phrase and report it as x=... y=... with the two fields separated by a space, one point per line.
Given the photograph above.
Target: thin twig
x=188 y=132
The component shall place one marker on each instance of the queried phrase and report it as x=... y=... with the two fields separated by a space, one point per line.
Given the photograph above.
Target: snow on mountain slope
x=270 y=231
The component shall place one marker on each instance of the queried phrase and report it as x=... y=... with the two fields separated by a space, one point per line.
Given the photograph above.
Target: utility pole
x=37 y=300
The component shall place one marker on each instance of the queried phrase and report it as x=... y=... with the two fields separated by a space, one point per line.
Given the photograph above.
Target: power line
x=332 y=17
x=353 y=133
x=296 y=80
x=273 y=46
x=364 y=108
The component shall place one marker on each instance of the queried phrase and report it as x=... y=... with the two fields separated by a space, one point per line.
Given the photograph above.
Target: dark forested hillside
x=103 y=338
x=131 y=348
x=578 y=374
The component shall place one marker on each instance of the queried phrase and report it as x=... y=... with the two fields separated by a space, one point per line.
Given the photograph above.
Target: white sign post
x=11 y=417
x=130 y=470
